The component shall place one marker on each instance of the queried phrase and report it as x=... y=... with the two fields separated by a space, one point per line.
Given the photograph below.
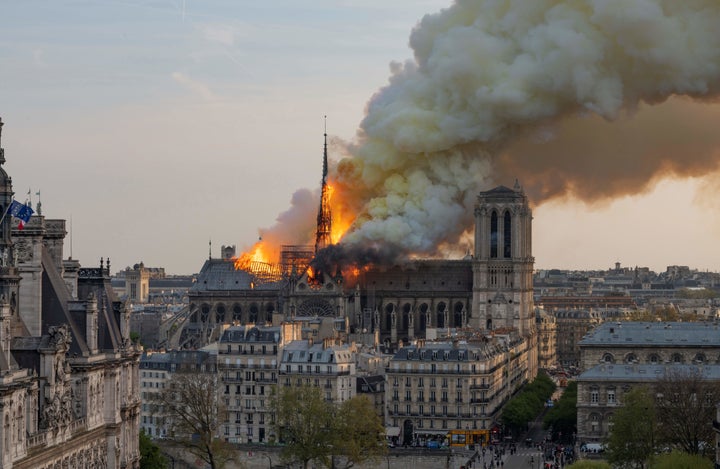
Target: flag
x=20 y=211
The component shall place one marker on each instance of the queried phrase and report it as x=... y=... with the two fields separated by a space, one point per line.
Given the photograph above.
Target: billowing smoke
x=564 y=95
x=588 y=99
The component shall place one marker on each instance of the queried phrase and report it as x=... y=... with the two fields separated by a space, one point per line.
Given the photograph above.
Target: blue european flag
x=20 y=211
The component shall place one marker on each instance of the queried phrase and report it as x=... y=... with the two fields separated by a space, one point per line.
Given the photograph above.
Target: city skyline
x=155 y=127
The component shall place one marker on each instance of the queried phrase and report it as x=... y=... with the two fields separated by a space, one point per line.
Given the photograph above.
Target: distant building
x=547 y=339
x=328 y=365
x=156 y=369
x=137 y=284
x=248 y=361
x=616 y=356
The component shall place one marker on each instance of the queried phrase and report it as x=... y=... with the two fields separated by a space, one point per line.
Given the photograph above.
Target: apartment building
x=435 y=388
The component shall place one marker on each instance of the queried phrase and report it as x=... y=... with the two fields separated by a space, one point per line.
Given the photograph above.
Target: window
x=611 y=396
x=594 y=396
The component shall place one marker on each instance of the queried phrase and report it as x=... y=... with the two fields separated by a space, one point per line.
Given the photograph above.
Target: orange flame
x=341 y=220
x=256 y=254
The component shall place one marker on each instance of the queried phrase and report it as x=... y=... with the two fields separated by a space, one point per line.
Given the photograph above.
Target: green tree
x=685 y=407
x=150 y=455
x=680 y=460
x=527 y=404
x=563 y=416
x=193 y=412
x=586 y=464
x=304 y=422
x=360 y=434
x=633 y=438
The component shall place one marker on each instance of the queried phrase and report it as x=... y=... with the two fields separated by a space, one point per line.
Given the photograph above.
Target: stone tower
x=9 y=276
x=503 y=262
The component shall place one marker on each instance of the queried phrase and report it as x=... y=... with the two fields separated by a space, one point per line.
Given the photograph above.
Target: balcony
x=480 y=386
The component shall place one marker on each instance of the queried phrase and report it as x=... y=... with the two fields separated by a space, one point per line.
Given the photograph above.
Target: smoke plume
x=588 y=99
x=564 y=95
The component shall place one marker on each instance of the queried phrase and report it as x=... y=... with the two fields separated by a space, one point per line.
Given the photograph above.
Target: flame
x=341 y=219
x=258 y=253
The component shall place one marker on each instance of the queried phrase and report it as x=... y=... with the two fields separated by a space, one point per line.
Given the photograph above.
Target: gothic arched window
x=507 y=235
x=493 y=234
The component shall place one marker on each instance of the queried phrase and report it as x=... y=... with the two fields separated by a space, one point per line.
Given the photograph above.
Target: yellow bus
x=462 y=437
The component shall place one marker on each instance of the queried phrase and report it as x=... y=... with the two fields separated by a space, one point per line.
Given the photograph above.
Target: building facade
x=616 y=356
x=433 y=388
x=68 y=370
x=387 y=306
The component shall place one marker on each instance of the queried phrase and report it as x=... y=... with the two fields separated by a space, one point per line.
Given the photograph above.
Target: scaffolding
x=295 y=258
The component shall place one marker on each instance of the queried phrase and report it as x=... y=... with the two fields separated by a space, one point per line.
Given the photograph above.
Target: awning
x=424 y=431
x=392 y=431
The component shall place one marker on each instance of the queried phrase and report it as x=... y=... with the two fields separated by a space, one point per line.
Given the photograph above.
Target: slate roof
x=241 y=334
x=654 y=334
x=645 y=372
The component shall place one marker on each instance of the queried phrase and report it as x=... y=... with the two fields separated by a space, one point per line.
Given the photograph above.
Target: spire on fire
x=324 y=218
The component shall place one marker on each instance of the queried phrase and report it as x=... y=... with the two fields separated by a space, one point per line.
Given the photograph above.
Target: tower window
x=494 y=234
x=507 y=235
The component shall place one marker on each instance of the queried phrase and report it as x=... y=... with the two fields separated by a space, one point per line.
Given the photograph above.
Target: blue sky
x=156 y=126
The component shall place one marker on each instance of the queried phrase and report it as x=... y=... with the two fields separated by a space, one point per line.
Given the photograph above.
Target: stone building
x=248 y=361
x=329 y=365
x=68 y=371
x=156 y=369
x=547 y=339
x=616 y=356
x=386 y=306
x=137 y=284
x=433 y=388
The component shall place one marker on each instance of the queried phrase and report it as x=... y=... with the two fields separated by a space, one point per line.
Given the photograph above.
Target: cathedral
x=487 y=292
x=69 y=393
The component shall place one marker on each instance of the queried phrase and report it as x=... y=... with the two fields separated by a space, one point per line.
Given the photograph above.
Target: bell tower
x=503 y=262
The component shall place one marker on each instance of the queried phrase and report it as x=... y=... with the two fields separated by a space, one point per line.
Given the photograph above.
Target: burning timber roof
x=221 y=275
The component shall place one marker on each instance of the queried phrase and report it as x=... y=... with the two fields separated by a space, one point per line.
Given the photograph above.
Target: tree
x=150 y=455
x=563 y=416
x=527 y=404
x=304 y=422
x=633 y=438
x=193 y=414
x=360 y=434
x=680 y=460
x=586 y=464
x=685 y=406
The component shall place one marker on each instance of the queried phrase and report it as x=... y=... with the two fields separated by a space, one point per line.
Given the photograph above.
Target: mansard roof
x=646 y=372
x=251 y=334
x=654 y=334
x=302 y=351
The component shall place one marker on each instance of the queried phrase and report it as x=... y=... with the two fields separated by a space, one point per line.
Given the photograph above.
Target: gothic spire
x=324 y=218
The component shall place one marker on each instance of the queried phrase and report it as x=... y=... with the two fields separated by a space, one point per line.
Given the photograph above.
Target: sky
x=157 y=127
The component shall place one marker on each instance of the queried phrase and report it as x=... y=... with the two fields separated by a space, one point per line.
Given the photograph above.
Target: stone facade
x=386 y=306
x=436 y=387
x=616 y=356
x=68 y=370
